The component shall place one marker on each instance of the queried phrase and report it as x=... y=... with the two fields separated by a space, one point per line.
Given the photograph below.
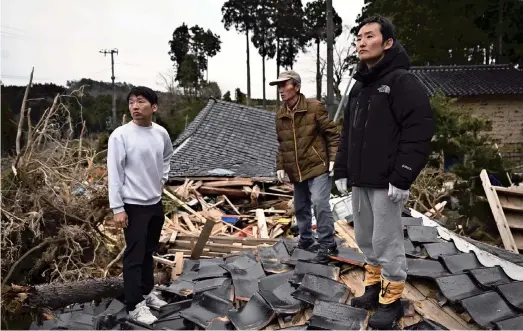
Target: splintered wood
x=243 y=216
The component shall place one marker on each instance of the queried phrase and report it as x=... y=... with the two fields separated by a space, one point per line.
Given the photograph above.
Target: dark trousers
x=315 y=192
x=141 y=238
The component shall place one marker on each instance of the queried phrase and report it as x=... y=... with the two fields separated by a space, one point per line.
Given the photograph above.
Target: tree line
x=447 y=32
x=278 y=29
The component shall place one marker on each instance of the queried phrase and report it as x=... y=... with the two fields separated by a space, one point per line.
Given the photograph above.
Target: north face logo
x=384 y=89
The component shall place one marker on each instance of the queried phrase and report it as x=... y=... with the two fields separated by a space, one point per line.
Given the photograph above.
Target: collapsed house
x=232 y=263
x=452 y=284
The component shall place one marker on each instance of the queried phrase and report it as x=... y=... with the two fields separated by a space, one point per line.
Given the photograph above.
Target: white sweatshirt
x=138 y=163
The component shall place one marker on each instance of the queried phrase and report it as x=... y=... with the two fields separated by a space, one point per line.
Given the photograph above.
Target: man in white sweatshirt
x=138 y=159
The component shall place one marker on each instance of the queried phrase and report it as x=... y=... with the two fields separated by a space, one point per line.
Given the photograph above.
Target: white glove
x=396 y=195
x=331 y=169
x=341 y=185
x=281 y=175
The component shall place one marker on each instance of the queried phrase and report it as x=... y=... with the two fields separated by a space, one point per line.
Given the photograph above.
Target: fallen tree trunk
x=22 y=299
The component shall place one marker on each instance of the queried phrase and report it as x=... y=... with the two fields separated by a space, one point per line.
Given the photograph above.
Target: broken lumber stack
x=243 y=212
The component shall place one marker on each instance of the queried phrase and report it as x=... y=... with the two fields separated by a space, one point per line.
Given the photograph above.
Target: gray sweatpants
x=379 y=232
x=315 y=191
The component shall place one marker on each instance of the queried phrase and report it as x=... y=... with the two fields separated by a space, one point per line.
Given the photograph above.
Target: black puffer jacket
x=387 y=126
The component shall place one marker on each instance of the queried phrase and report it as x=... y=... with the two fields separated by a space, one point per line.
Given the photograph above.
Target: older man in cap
x=308 y=143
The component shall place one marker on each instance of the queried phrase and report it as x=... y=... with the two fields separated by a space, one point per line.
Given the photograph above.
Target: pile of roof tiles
x=240 y=291
x=488 y=294
x=277 y=287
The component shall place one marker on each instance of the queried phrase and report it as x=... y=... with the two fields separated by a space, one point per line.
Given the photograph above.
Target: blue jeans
x=314 y=192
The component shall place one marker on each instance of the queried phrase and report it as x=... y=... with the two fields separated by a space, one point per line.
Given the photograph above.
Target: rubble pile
x=270 y=287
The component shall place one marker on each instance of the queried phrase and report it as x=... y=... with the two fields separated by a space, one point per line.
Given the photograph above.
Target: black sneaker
x=386 y=316
x=324 y=253
x=305 y=245
x=369 y=299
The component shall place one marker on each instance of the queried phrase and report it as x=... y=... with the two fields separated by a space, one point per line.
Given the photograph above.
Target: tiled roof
x=469 y=80
x=227 y=139
x=484 y=284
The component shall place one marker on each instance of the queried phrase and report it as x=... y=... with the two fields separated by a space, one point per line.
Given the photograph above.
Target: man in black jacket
x=384 y=144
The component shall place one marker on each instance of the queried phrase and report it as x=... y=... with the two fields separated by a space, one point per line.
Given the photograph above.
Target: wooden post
x=506 y=235
x=262 y=224
x=202 y=239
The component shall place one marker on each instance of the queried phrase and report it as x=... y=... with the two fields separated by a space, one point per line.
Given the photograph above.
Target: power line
x=112 y=52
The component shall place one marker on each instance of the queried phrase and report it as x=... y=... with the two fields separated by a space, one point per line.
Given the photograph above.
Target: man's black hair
x=145 y=92
x=387 y=29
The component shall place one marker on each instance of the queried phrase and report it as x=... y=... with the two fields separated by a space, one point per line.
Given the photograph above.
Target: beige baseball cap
x=286 y=75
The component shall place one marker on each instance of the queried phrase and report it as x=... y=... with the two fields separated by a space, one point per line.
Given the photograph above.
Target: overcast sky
x=62 y=40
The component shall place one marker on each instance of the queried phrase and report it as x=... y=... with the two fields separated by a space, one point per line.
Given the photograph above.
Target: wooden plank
x=222 y=248
x=277 y=231
x=165 y=237
x=514 y=220
x=262 y=224
x=202 y=240
x=231 y=240
x=255 y=231
x=231 y=204
x=175 y=219
x=188 y=222
x=178 y=260
x=163 y=261
x=187 y=253
x=173 y=236
x=182 y=230
x=497 y=211
x=510 y=202
x=184 y=205
x=222 y=191
x=228 y=183
x=254 y=179
x=354 y=280
x=512 y=191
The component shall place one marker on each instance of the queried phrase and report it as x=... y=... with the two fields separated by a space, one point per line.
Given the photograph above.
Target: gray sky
x=62 y=39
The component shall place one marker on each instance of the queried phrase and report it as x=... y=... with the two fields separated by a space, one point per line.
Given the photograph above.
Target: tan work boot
x=369 y=299
x=389 y=307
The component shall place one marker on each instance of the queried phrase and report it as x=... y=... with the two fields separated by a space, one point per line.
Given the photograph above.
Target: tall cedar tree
x=238 y=13
x=263 y=36
x=475 y=29
x=190 y=49
x=316 y=24
x=289 y=20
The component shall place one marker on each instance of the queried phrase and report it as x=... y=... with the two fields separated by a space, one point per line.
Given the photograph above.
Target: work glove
x=281 y=175
x=331 y=169
x=397 y=195
x=341 y=185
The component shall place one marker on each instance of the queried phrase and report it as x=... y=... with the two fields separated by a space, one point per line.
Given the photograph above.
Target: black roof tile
x=489 y=277
x=468 y=80
x=513 y=293
x=457 y=287
x=460 y=263
x=224 y=140
x=513 y=323
x=487 y=308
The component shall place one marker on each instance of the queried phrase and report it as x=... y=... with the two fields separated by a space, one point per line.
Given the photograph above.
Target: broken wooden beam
x=262 y=224
x=184 y=205
x=202 y=240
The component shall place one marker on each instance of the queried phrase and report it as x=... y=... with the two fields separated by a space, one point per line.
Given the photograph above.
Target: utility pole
x=330 y=60
x=105 y=52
